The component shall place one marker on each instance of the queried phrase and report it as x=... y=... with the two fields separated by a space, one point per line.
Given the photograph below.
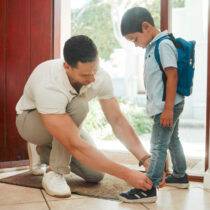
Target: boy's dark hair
x=133 y=18
x=79 y=48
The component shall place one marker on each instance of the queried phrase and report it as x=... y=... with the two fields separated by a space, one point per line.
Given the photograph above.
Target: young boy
x=138 y=27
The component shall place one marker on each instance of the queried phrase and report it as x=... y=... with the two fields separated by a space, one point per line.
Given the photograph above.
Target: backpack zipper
x=191 y=53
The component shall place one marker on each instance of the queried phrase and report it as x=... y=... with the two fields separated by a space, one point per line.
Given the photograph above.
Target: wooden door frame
x=56 y=28
x=208 y=96
x=165 y=24
x=55 y=50
x=2 y=78
x=164 y=14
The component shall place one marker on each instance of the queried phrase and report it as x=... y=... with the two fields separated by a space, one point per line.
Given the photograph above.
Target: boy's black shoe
x=139 y=196
x=182 y=182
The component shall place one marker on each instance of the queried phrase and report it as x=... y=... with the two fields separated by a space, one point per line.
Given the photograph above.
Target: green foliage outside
x=178 y=3
x=97 y=125
x=94 y=20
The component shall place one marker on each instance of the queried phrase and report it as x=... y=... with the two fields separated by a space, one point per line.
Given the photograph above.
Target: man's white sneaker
x=55 y=185
x=39 y=170
x=34 y=159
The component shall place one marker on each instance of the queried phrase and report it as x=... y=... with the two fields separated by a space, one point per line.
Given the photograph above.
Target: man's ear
x=66 y=66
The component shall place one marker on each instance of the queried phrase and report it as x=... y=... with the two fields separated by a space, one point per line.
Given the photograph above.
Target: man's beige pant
x=31 y=128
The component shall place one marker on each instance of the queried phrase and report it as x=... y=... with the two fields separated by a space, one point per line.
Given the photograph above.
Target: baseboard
x=11 y=164
x=206 y=183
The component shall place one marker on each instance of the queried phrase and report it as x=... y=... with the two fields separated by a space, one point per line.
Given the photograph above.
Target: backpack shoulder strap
x=157 y=58
x=157 y=55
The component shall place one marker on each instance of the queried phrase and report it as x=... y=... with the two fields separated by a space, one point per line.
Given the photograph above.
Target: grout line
x=45 y=200
x=145 y=206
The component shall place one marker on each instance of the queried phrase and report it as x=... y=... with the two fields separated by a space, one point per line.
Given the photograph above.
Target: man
x=51 y=111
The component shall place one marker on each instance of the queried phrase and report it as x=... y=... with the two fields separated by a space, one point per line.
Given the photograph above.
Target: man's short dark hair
x=79 y=48
x=133 y=18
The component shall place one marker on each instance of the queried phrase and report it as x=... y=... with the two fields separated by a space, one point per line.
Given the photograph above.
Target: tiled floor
x=21 y=198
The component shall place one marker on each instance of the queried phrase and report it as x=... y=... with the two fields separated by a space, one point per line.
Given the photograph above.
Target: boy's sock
x=182 y=182
x=139 y=196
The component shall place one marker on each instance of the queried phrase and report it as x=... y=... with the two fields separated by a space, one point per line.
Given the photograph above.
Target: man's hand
x=146 y=166
x=139 y=180
x=62 y=127
x=166 y=118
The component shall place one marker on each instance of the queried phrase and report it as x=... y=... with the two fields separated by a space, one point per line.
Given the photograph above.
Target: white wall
x=65 y=23
x=191 y=23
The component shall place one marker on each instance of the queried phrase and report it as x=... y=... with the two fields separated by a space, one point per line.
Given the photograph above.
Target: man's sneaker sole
x=141 y=200
x=37 y=172
x=178 y=185
x=67 y=195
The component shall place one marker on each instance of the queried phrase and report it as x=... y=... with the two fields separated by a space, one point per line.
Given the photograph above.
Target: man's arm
x=166 y=118
x=122 y=129
x=63 y=129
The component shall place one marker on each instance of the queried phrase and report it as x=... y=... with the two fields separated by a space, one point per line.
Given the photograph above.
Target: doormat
x=108 y=188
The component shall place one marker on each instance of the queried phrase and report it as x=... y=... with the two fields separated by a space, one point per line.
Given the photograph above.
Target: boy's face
x=141 y=39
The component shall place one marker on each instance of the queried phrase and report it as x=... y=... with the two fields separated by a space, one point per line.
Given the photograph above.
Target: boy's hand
x=166 y=118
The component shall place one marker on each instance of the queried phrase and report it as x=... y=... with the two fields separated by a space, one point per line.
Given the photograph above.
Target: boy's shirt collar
x=161 y=34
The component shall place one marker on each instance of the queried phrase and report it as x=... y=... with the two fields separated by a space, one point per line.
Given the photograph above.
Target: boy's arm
x=166 y=119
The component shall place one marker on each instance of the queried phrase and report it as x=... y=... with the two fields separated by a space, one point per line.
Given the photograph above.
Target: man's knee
x=96 y=177
x=78 y=109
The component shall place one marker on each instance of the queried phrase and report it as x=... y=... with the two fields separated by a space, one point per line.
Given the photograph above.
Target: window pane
x=100 y=20
x=189 y=21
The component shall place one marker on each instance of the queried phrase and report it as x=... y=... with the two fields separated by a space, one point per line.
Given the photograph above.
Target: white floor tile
x=12 y=194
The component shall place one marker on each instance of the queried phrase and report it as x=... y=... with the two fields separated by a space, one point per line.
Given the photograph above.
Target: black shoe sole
x=178 y=185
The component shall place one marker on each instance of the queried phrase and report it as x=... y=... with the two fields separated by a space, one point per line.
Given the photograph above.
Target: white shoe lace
x=57 y=178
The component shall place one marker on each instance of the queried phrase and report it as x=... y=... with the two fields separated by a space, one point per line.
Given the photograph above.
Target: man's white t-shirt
x=49 y=91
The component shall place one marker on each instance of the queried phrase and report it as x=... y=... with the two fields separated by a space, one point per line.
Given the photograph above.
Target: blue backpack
x=185 y=64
